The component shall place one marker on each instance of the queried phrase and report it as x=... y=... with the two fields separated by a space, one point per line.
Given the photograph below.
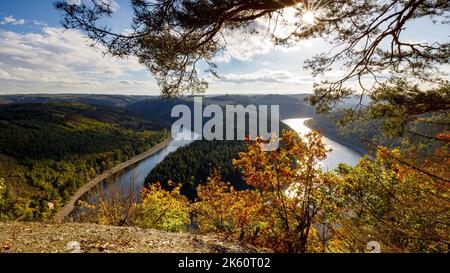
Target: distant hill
x=107 y=100
x=154 y=106
x=290 y=105
x=356 y=132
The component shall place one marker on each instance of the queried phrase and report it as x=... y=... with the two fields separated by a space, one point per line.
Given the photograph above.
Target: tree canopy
x=171 y=37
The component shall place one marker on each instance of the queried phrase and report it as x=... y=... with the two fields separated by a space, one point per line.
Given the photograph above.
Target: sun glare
x=309 y=18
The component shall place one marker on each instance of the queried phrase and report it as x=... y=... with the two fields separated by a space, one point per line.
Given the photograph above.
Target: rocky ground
x=55 y=238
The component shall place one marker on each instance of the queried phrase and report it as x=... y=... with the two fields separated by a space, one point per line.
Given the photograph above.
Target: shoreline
x=360 y=150
x=334 y=138
x=68 y=207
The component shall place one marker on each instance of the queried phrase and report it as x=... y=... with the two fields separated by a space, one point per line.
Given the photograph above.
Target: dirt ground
x=18 y=237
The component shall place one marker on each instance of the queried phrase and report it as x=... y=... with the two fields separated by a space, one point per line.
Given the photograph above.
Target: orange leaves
x=221 y=208
x=397 y=198
x=289 y=191
x=443 y=136
x=279 y=169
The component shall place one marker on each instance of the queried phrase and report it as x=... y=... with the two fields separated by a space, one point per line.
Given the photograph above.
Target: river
x=135 y=174
x=339 y=154
x=138 y=172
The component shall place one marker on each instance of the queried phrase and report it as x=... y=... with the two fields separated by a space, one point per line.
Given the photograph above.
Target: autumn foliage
x=162 y=209
x=393 y=198
x=289 y=199
x=399 y=201
x=158 y=209
x=402 y=206
x=221 y=208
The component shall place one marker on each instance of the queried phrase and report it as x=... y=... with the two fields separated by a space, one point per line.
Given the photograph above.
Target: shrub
x=163 y=209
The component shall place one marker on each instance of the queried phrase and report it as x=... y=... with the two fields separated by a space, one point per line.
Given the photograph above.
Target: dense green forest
x=47 y=151
x=193 y=164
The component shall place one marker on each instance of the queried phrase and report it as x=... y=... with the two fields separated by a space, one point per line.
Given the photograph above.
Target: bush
x=163 y=209
x=2 y=190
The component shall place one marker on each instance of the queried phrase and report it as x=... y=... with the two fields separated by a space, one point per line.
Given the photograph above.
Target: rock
x=74 y=247
x=373 y=247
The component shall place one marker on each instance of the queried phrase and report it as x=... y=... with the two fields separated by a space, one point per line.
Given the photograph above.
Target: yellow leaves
x=163 y=209
x=2 y=185
x=2 y=189
x=86 y=205
x=393 y=199
x=220 y=207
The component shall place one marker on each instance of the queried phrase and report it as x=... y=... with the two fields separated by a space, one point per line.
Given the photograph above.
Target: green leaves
x=49 y=150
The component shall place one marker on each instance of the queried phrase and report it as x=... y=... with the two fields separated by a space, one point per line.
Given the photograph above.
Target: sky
x=38 y=56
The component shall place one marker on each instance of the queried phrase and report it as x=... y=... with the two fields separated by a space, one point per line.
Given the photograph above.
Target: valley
x=111 y=161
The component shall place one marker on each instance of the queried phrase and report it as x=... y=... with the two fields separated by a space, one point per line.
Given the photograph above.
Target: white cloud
x=264 y=76
x=244 y=46
x=73 y=2
x=4 y=75
x=39 y=23
x=11 y=20
x=111 y=3
x=61 y=59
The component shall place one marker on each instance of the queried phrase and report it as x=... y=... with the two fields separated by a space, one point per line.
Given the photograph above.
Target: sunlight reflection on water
x=339 y=153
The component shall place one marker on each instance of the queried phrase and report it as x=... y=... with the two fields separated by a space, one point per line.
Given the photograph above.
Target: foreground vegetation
x=297 y=207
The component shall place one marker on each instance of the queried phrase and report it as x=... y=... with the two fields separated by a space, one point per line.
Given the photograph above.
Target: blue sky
x=38 y=56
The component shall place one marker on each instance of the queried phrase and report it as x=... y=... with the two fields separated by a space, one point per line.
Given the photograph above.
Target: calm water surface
x=339 y=154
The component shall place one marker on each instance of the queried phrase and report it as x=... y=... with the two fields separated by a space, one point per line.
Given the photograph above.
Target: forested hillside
x=47 y=151
x=193 y=164
x=93 y=99
x=417 y=137
x=290 y=105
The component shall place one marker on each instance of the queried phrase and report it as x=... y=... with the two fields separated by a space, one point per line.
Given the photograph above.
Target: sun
x=309 y=17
